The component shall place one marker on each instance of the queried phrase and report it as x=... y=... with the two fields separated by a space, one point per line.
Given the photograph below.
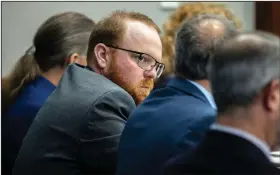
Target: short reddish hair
x=111 y=29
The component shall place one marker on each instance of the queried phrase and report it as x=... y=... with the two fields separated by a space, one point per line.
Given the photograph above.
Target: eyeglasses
x=145 y=61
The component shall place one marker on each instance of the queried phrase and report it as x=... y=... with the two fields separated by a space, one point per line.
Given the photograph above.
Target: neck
x=95 y=68
x=54 y=75
x=205 y=84
x=245 y=120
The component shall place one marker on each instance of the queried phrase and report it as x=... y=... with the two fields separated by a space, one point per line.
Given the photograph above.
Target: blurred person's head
x=182 y=13
x=245 y=74
x=126 y=48
x=61 y=40
x=196 y=41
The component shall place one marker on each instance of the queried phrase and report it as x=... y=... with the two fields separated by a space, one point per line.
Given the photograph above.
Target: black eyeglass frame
x=158 y=64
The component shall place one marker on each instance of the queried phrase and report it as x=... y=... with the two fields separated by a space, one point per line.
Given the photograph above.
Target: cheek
x=131 y=70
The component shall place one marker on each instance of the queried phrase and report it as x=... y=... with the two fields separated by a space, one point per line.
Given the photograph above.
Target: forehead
x=142 y=38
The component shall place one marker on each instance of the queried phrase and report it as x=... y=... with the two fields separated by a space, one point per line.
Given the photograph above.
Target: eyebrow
x=133 y=51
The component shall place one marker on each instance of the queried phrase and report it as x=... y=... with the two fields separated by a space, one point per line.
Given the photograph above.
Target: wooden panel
x=268 y=16
x=276 y=18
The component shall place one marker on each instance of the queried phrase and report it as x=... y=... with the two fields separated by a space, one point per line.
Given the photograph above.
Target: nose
x=151 y=74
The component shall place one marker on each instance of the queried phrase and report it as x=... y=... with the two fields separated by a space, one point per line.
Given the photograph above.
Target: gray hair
x=193 y=51
x=242 y=67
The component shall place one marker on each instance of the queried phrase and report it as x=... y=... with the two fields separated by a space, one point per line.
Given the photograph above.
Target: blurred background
x=20 y=20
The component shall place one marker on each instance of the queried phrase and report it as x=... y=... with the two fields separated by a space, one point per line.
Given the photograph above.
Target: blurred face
x=136 y=60
x=276 y=142
x=272 y=106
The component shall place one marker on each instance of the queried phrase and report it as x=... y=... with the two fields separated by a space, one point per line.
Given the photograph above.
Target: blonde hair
x=25 y=70
x=58 y=37
x=182 y=13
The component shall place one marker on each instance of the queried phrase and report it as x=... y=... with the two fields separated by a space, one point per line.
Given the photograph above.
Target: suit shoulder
x=113 y=106
x=87 y=81
x=115 y=94
x=166 y=99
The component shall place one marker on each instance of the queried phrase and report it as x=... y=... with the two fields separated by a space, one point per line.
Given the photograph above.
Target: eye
x=140 y=57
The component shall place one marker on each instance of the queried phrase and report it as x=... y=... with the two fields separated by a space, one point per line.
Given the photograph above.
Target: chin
x=140 y=99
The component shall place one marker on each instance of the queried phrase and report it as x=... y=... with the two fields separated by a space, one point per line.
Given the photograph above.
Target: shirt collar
x=207 y=94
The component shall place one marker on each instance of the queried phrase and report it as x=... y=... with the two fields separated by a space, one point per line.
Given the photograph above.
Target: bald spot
x=210 y=28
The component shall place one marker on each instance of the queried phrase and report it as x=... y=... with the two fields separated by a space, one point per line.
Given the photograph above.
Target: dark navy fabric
x=19 y=117
x=171 y=120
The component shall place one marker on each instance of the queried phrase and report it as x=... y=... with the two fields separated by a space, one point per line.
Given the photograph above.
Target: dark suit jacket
x=77 y=130
x=163 y=81
x=16 y=122
x=222 y=153
x=171 y=120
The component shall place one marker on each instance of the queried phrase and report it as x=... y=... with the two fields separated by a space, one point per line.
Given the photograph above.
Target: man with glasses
x=78 y=129
x=145 y=62
x=173 y=119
